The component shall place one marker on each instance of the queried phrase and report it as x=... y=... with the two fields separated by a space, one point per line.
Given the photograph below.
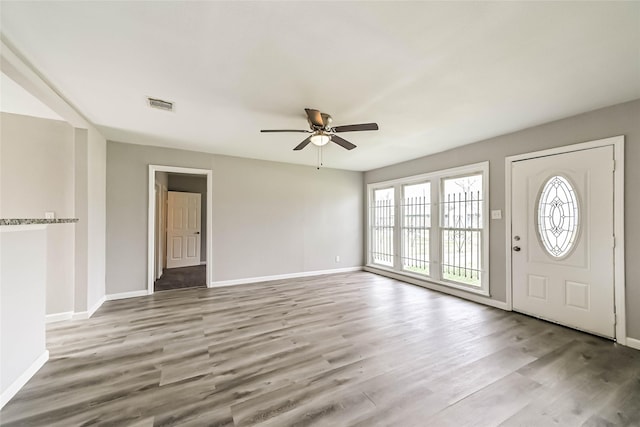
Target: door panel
x=183 y=233
x=537 y=287
x=176 y=249
x=562 y=230
x=192 y=244
x=177 y=217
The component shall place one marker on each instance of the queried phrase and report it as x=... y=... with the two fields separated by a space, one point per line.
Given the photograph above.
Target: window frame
x=436 y=179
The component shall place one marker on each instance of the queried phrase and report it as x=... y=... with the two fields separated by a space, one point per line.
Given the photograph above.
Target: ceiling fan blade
x=285 y=130
x=302 y=144
x=342 y=142
x=354 y=128
x=315 y=117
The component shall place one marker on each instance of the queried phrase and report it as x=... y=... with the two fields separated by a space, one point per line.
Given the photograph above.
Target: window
x=432 y=227
x=461 y=227
x=382 y=226
x=416 y=227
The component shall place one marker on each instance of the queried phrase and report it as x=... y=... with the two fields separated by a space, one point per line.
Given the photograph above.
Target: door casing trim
x=151 y=219
x=618 y=221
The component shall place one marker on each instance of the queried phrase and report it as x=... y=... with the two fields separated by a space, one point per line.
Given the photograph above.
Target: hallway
x=183 y=277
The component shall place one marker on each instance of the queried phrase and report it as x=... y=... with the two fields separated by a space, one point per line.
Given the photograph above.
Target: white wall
x=269 y=218
x=37 y=175
x=22 y=303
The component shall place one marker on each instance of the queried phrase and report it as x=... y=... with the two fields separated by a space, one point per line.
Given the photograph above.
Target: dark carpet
x=183 y=277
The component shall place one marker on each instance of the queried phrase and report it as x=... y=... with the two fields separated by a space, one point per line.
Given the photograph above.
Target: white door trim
x=618 y=218
x=151 y=219
x=158 y=233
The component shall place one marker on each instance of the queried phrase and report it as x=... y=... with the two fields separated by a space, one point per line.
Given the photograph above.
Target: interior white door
x=562 y=239
x=183 y=229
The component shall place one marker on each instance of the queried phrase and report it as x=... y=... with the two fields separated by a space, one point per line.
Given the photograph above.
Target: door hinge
x=613 y=241
x=615 y=318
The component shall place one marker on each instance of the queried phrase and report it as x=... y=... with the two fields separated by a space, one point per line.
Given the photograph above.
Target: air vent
x=160 y=104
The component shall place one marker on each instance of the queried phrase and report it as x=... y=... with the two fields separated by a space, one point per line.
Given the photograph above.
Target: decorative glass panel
x=558 y=216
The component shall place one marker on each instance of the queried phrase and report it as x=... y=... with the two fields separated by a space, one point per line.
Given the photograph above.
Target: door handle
x=197 y=232
x=516 y=248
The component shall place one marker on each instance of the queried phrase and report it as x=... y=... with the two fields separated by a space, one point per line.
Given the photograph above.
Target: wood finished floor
x=340 y=350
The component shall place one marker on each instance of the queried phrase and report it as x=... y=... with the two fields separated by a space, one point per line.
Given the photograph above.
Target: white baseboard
x=220 y=283
x=58 y=317
x=80 y=315
x=15 y=387
x=97 y=305
x=633 y=343
x=71 y=315
x=124 y=295
x=83 y=315
x=444 y=289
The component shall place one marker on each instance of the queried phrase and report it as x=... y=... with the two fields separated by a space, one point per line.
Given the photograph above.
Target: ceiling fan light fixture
x=320 y=139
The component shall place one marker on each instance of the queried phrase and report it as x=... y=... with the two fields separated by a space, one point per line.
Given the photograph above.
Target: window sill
x=428 y=280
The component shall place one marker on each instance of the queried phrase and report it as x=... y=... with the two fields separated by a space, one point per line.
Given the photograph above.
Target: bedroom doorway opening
x=179 y=228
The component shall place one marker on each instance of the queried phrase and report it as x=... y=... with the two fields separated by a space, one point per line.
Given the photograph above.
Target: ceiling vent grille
x=160 y=104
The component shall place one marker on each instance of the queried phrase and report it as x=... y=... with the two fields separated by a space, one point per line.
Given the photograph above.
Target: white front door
x=183 y=229
x=562 y=239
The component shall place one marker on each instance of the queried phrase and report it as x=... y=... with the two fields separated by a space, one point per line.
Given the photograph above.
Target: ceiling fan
x=322 y=132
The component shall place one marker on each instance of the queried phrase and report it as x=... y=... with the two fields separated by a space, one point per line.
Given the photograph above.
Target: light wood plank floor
x=339 y=350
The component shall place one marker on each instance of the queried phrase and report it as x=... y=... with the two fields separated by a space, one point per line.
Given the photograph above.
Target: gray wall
x=622 y=119
x=37 y=175
x=96 y=219
x=269 y=218
x=48 y=165
x=194 y=184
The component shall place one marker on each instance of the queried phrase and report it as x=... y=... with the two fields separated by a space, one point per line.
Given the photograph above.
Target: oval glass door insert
x=558 y=215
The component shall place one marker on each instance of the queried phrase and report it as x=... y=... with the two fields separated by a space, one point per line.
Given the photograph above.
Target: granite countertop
x=31 y=221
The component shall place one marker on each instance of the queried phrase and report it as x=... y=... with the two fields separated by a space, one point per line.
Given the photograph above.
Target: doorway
x=182 y=261
x=565 y=236
x=180 y=218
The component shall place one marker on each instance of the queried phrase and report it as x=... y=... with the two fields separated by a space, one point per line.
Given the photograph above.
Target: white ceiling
x=433 y=75
x=14 y=99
